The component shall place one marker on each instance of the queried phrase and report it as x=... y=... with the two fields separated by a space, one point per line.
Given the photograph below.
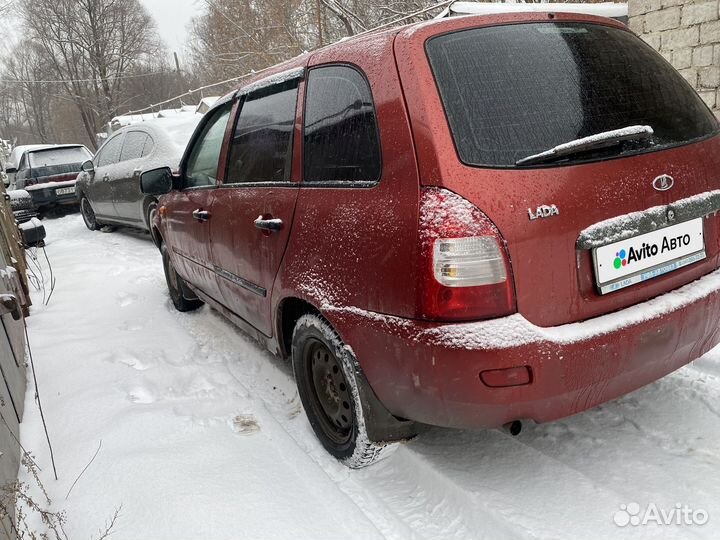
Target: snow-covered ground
x=203 y=435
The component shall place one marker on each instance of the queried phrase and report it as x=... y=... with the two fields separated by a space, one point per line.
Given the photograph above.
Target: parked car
x=469 y=223
x=109 y=186
x=13 y=161
x=49 y=174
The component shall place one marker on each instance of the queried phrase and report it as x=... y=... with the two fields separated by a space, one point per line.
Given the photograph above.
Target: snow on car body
x=375 y=199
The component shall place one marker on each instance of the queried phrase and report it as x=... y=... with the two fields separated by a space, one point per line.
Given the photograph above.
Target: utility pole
x=178 y=73
x=319 y=23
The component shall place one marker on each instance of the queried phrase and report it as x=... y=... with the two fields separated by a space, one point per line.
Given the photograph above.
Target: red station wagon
x=467 y=223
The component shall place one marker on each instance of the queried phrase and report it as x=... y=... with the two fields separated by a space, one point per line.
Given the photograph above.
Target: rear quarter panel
x=355 y=246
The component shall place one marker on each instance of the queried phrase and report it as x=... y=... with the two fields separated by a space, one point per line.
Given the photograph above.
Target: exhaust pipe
x=513 y=428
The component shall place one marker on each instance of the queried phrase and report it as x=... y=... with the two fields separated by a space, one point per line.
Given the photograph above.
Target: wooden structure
x=14 y=305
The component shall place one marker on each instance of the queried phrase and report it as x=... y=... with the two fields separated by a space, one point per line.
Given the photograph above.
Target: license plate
x=646 y=256
x=65 y=190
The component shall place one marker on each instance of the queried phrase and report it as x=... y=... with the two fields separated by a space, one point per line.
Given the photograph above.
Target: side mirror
x=156 y=181
x=88 y=167
x=11 y=170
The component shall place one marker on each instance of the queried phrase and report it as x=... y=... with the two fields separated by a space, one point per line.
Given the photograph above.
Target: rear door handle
x=272 y=224
x=201 y=215
x=106 y=178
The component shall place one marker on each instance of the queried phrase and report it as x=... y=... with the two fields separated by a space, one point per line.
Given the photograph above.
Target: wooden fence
x=14 y=304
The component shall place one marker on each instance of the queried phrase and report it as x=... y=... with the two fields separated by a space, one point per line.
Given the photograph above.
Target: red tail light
x=467 y=269
x=63 y=178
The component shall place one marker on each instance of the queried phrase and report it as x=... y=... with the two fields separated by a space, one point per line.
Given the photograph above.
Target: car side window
x=261 y=149
x=110 y=152
x=133 y=145
x=341 y=141
x=202 y=165
x=148 y=147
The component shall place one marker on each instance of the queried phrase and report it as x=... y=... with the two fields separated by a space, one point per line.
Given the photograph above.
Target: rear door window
x=148 y=147
x=261 y=148
x=341 y=140
x=517 y=90
x=133 y=145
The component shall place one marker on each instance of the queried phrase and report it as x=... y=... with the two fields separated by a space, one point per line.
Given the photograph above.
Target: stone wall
x=687 y=33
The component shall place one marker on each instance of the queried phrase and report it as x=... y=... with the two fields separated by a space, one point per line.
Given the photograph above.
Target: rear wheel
x=182 y=297
x=325 y=372
x=88 y=214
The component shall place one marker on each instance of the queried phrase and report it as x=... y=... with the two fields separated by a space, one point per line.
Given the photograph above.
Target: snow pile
x=19 y=195
x=34 y=223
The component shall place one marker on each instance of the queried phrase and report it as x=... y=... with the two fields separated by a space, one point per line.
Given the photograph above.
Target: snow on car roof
x=54 y=147
x=178 y=128
x=603 y=9
x=18 y=151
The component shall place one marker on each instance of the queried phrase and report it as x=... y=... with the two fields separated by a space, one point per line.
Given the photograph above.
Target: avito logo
x=620 y=259
x=645 y=251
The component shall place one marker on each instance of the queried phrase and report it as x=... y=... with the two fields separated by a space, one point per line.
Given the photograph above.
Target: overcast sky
x=172 y=18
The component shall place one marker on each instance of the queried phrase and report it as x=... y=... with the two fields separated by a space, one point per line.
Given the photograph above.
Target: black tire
x=88 y=214
x=150 y=212
x=180 y=294
x=325 y=372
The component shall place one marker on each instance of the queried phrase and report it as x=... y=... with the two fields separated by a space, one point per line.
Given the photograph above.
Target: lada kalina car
x=470 y=223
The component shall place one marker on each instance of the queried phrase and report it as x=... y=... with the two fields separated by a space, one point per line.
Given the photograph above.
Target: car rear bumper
x=48 y=196
x=430 y=373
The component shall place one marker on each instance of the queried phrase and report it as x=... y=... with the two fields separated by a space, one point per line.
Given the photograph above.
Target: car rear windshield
x=517 y=90
x=59 y=156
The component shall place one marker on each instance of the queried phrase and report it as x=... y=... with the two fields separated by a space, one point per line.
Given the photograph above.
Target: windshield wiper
x=593 y=142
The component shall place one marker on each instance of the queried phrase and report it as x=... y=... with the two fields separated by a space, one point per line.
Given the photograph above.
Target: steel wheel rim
x=331 y=397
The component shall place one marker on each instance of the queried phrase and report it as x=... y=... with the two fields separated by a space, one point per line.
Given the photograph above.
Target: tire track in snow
x=400 y=494
x=217 y=336
x=561 y=480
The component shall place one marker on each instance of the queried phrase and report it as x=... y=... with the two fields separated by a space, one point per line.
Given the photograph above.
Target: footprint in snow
x=125 y=299
x=146 y=359
x=141 y=394
x=245 y=424
x=130 y=326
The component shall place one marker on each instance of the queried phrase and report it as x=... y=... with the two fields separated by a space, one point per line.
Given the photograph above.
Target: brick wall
x=687 y=33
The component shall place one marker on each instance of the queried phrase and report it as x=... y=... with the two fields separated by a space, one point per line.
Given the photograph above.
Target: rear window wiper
x=593 y=142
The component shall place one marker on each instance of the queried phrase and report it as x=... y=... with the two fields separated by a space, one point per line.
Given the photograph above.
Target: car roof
x=604 y=9
x=173 y=128
x=55 y=147
x=17 y=152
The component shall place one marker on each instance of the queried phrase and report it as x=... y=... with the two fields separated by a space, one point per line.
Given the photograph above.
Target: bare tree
x=92 y=47
x=23 y=66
